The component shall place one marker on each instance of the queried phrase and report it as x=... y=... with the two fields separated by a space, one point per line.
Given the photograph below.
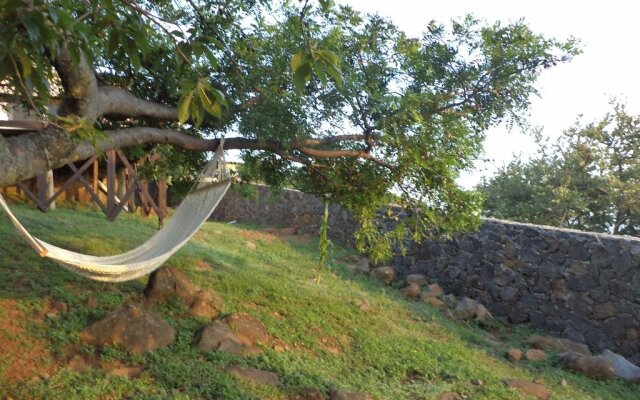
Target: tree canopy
x=317 y=96
x=588 y=180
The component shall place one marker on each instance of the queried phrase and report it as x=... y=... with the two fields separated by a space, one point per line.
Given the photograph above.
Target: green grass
x=397 y=349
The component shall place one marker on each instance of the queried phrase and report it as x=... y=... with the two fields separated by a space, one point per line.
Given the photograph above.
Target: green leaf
x=298 y=60
x=132 y=51
x=183 y=52
x=210 y=106
x=319 y=69
x=183 y=107
x=31 y=25
x=331 y=63
x=302 y=76
x=112 y=44
x=326 y=5
x=197 y=113
x=335 y=72
x=25 y=61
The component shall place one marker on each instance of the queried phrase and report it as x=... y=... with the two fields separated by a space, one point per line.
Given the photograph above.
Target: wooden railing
x=136 y=188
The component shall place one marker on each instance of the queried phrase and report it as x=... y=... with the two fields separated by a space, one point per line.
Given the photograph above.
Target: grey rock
x=433 y=290
x=466 y=308
x=214 y=334
x=557 y=344
x=384 y=274
x=419 y=279
x=622 y=368
x=254 y=375
x=133 y=327
x=166 y=282
x=591 y=366
x=450 y=300
x=411 y=291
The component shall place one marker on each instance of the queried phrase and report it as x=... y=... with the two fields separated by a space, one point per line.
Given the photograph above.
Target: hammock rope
x=191 y=214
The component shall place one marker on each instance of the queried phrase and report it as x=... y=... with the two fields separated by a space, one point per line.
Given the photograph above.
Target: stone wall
x=582 y=286
x=289 y=209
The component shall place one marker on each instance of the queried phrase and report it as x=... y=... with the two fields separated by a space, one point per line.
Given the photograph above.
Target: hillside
x=336 y=329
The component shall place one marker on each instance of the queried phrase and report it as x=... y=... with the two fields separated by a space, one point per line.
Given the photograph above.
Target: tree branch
x=80 y=86
x=115 y=100
x=25 y=156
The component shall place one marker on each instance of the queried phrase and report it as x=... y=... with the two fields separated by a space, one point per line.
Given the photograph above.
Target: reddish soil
x=23 y=356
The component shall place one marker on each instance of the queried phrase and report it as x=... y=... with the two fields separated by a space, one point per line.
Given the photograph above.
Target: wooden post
x=111 y=180
x=95 y=180
x=45 y=191
x=132 y=202
x=51 y=189
x=162 y=201
x=122 y=182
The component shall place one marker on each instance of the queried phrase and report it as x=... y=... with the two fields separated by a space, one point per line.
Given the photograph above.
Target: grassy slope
x=394 y=350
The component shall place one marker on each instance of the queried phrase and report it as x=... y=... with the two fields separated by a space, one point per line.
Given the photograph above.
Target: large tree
x=317 y=96
x=589 y=179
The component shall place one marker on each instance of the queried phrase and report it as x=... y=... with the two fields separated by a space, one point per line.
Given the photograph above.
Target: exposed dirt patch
x=335 y=345
x=255 y=235
x=23 y=356
x=203 y=266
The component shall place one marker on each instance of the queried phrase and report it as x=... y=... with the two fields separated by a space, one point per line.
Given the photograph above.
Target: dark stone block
x=623 y=290
x=574 y=335
x=583 y=283
x=599 y=294
x=581 y=303
x=551 y=271
x=530 y=255
x=504 y=276
x=577 y=251
x=542 y=285
x=537 y=319
x=509 y=294
x=501 y=309
x=600 y=256
x=557 y=258
x=622 y=265
x=487 y=272
x=598 y=341
x=519 y=313
x=616 y=327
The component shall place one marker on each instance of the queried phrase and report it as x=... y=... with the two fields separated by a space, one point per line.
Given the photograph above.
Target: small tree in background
x=588 y=180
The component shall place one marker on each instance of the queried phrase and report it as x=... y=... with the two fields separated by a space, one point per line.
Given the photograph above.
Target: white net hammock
x=187 y=219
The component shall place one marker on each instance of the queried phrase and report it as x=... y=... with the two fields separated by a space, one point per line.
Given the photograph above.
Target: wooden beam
x=41 y=180
x=32 y=197
x=162 y=200
x=111 y=181
x=123 y=200
x=94 y=195
x=22 y=125
x=145 y=196
x=73 y=178
x=95 y=176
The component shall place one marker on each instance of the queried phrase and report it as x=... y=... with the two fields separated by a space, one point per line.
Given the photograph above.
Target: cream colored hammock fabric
x=192 y=213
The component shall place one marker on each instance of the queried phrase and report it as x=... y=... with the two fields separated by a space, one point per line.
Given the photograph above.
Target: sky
x=608 y=67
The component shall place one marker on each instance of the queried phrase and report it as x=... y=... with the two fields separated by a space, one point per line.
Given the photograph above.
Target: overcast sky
x=609 y=67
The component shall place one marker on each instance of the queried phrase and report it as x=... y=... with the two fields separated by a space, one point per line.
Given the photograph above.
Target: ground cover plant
x=338 y=329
